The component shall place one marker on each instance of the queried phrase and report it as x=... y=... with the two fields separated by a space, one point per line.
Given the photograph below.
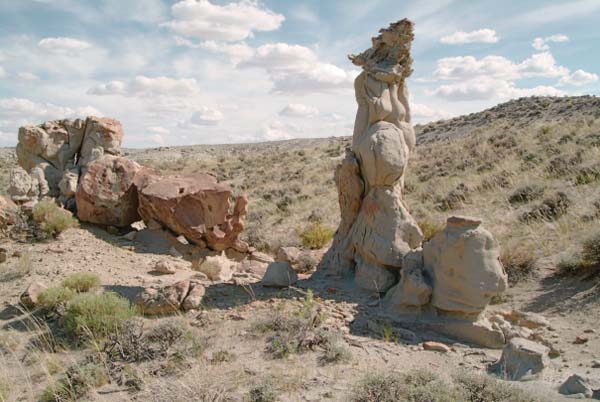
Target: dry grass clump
x=430 y=228
x=425 y=386
x=81 y=281
x=262 y=392
x=23 y=267
x=52 y=219
x=518 y=260
x=77 y=382
x=587 y=262
x=526 y=194
x=316 y=236
x=95 y=316
x=55 y=298
x=550 y=209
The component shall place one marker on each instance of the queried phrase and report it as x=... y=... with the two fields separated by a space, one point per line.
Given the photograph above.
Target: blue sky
x=178 y=72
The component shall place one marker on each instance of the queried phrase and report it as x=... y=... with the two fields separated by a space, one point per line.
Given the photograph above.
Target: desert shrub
x=262 y=392
x=78 y=381
x=591 y=250
x=430 y=228
x=550 y=209
x=53 y=298
x=336 y=349
x=481 y=388
x=316 y=236
x=518 y=261
x=454 y=199
x=526 y=194
x=587 y=175
x=4 y=390
x=81 y=281
x=97 y=315
x=170 y=339
x=415 y=386
x=53 y=220
x=222 y=356
x=570 y=265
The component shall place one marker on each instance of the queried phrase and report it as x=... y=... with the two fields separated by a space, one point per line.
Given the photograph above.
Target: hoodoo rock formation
x=446 y=282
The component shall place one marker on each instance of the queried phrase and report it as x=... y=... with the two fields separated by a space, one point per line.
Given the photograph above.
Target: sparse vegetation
x=55 y=298
x=78 y=381
x=81 y=281
x=518 y=260
x=316 y=236
x=52 y=219
x=263 y=392
x=95 y=316
x=430 y=228
x=23 y=267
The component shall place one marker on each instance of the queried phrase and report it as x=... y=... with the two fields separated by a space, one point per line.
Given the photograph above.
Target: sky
x=182 y=72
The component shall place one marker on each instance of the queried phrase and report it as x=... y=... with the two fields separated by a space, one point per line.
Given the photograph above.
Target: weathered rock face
x=107 y=193
x=463 y=264
x=579 y=386
x=196 y=207
x=102 y=136
x=53 y=154
x=413 y=290
x=376 y=228
x=279 y=275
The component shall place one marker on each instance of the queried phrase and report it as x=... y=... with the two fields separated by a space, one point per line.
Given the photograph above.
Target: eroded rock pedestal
x=443 y=284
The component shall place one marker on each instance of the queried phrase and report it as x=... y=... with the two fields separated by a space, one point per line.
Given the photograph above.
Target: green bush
x=52 y=219
x=483 y=388
x=97 y=315
x=430 y=228
x=52 y=298
x=81 y=281
x=316 y=236
x=570 y=265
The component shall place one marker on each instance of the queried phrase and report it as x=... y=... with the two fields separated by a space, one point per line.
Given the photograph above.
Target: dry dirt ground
x=291 y=183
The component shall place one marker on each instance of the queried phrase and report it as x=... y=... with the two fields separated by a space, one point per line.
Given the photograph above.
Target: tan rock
x=20 y=185
x=436 y=347
x=166 y=267
x=288 y=254
x=463 y=263
x=29 y=298
x=578 y=385
x=279 y=274
x=261 y=257
x=107 y=193
x=196 y=207
x=193 y=301
x=166 y=300
x=521 y=360
x=9 y=212
x=373 y=277
x=412 y=290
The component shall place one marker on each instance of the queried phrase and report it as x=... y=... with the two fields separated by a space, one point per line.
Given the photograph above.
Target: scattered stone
x=139 y=225
x=436 y=347
x=9 y=212
x=193 y=301
x=175 y=253
x=280 y=275
x=525 y=319
x=288 y=254
x=29 y=298
x=577 y=385
x=235 y=255
x=261 y=257
x=161 y=301
x=165 y=267
x=596 y=364
x=521 y=360
x=580 y=340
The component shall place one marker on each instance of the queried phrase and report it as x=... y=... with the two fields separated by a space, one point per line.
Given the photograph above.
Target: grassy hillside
x=530 y=167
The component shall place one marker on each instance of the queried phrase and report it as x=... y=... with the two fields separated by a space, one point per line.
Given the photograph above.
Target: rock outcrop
x=107 y=193
x=186 y=295
x=279 y=275
x=9 y=212
x=53 y=155
x=197 y=207
x=521 y=359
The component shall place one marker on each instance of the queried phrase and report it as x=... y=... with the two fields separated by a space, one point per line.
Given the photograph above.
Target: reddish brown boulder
x=9 y=212
x=107 y=193
x=196 y=207
x=102 y=136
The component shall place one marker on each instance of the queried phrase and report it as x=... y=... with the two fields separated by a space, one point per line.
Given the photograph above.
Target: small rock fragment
x=29 y=298
x=436 y=346
x=279 y=274
x=580 y=385
x=521 y=360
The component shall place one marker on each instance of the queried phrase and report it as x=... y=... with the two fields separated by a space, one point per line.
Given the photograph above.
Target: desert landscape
x=456 y=260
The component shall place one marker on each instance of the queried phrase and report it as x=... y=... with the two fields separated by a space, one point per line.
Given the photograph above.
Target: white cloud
x=489 y=88
x=143 y=86
x=498 y=67
x=64 y=45
x=299 y=110
x=275 y=131
x=578 y=78
x=297 y=69
x=424 y=113
x=231 y=22
x=542 y=43
x=158 y=134
x=2 y=73
x=25 y=76
x=480 y=36
x=205 y=116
